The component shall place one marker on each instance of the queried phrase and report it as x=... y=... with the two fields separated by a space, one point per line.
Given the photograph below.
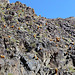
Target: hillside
x=35 y=45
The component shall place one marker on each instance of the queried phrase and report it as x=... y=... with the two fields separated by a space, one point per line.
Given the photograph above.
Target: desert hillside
x=35 y=45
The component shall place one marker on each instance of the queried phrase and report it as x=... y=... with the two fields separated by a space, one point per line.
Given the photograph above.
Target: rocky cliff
x=35 y=45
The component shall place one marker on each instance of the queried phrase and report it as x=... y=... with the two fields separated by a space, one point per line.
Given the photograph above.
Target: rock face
x=35 y=45
x=4 y=1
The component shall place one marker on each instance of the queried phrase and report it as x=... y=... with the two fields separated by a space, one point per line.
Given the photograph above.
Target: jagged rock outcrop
x=35 y=45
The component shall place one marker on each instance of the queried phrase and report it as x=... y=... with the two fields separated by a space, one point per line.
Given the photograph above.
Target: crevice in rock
x=27 y=46
x=5 y=44
x=24 y=63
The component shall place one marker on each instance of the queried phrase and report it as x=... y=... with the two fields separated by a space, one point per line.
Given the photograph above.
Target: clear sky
x=51 y=8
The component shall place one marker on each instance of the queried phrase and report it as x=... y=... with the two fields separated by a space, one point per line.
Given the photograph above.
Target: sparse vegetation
x=31 y=44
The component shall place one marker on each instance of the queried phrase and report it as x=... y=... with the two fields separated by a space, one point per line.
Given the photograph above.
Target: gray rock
x=34 y=65
x=26 y=36
x=28 y=18
x=4 y=1
x=1 y=73
x=1 y=62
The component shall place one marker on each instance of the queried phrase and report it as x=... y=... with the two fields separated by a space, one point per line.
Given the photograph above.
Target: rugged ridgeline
x=35 y=45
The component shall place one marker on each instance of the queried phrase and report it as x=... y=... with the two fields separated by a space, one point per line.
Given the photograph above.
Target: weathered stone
x=35 y=45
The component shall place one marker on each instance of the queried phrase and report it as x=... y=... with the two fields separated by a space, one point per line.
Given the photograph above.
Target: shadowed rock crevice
x=23 y=61
x=5 y=44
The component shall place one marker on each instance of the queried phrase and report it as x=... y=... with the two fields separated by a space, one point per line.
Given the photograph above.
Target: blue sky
x=51 y=8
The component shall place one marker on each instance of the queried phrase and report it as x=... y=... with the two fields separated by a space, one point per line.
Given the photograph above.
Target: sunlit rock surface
x=35 y=45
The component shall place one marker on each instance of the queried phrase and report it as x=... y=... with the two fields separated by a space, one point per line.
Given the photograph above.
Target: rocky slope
x=35 y=45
